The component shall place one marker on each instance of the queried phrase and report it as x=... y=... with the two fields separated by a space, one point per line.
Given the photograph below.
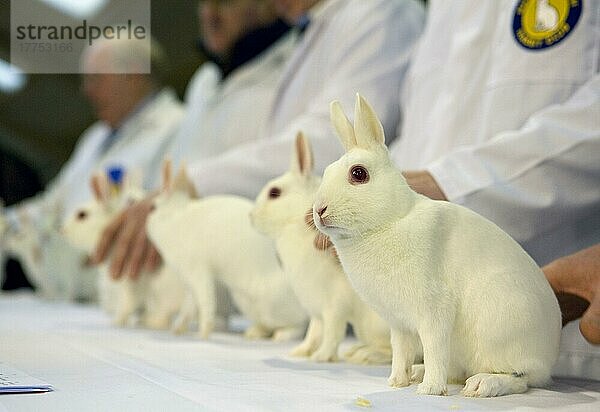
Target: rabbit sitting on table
x=313 y=270
x=210 y=243
x=158 y=294
x=437 y=272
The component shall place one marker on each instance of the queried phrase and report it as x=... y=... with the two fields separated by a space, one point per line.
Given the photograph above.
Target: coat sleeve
x=372 y=60
x=531 y=180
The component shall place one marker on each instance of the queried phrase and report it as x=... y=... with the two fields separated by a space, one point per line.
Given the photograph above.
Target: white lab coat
x=350 y=46
x=221 y=114
x=139 y=145
x=509 y=132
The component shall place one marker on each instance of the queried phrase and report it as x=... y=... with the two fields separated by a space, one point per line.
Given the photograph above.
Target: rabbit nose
x=321 y=210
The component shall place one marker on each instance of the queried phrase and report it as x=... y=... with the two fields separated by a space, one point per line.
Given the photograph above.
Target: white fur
x=436 y=271
x=316 y=276
x=210 y=242
x=158 y=295
x=51 y=264
x=26 y=244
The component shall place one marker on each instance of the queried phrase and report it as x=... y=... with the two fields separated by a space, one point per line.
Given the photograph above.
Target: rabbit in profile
x=158 y=294
x=313 y=271
x=27 y=242
x=52 y=265
x=210 y=243
x=436 y=271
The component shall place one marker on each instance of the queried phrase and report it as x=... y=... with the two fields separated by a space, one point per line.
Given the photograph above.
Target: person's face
x=112 y=95
x=292 y=10
x=109 y=96
x=224 y=22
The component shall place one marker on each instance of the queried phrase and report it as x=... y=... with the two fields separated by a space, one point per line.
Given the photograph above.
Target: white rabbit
x=435 y=270
x=158 y=295
x=51 y=264
x=315 y=274
x=210 y=242
x=26 y=243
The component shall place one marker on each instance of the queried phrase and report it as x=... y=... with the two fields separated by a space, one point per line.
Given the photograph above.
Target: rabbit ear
x=183 y=183
x=133 y=180
x=342 y=125
x=367 y=127
x=100 y=187
x=302 y=157
x=166 y=173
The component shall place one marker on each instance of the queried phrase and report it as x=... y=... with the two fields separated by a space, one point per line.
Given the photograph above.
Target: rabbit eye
x=274 y=193
x=81 y=215
x=358 y=175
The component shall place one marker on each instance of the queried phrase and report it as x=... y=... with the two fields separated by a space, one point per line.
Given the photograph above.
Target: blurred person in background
x=341 y=47
x=228 y=98
x=137 y=117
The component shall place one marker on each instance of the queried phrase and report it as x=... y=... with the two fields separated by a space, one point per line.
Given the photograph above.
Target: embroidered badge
x=538 y=24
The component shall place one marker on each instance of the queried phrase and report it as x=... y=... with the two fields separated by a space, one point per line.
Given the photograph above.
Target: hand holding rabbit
x=158 y=294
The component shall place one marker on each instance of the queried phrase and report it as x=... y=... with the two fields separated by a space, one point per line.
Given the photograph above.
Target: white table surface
x=95 y=367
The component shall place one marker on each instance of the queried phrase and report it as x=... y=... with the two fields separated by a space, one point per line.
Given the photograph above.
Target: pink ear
x=167 y=175
x=99 y=188
x=183 y=184
x=304 y=155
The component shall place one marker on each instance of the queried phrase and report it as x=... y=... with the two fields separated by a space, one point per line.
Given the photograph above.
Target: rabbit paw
x=256 y=332
x=206 y=329
x=323 y=356
x=432 y=388
x=478 y=386
x=302 y=351
x=486 y=385
x=156 y=322
x=120 y=321
x=367 y=355
x=287 y=334
x=398 y=380
x=352 y=351
x=180 y=325
x=418 y=371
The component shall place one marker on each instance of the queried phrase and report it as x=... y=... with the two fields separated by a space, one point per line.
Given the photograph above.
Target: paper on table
x=15 y=381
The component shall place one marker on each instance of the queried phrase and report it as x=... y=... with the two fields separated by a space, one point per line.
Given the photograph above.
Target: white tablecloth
x=95 y=367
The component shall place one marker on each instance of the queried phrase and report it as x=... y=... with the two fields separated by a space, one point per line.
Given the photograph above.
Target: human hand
x=576 y=281
x=126 y=234
x=422 y=182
